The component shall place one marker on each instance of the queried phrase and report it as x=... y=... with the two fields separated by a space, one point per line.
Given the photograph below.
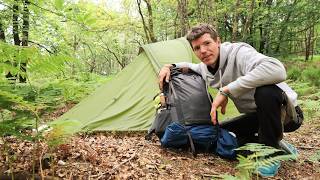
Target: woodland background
x=55 y=52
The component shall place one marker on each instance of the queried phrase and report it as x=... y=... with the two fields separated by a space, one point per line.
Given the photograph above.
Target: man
x=252 y=80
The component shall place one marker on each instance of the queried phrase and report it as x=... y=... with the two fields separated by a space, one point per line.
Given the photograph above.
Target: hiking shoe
x=269 y=170
x=288 y=148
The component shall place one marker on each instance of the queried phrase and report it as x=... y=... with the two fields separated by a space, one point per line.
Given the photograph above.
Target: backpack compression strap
x=175 y=100
x=193 y=149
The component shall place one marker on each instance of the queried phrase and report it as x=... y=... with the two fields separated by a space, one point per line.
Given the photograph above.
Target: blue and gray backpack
x=184 y=121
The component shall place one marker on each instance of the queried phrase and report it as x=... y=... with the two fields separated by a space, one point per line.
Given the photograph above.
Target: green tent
x=126 y=102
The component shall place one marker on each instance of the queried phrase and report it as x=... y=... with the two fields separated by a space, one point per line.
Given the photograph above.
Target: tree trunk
x=182 y=10
x=284 y=27
x=145 y=28
x=25 y=27
x=249 y=24
x=175 y=23
x=268 y=27
x=2 y=34
x=205 y=11
x=308 y=42
x=75 y=46
x=211 y=17
x=200 y=10
x=92 y=64
x=25 y=37
x=15 y=23
x=312 y=42
x=148 y=29
x=150 y=20
x=262 y=39
x=235 y=21
x=263 y=28
x=15 y=33
x=227 y=27
x=115 y=55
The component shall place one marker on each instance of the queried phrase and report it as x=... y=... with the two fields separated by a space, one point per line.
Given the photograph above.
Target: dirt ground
x=129 y=156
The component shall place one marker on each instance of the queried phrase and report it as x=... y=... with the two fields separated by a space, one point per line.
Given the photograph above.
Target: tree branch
x=115 y=55
x=145 y=28
x=61 y=15
x=42 y=46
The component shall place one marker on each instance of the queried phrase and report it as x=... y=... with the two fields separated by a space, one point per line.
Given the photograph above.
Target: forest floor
x=129 y=156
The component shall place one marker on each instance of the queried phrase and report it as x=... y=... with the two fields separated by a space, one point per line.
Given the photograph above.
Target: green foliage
x=11 y=101
x=312 y=75
x=303 y=88
x=315 y=158
x=53 y=64
x=304 y=72
x=17 y=115
x=305 y=80
x=15 y=128
x=260 y=157
x=59 y=132
x=311 y=107
x=298 y=58
x=294 y=73
x=59 y=4
x=308 y=98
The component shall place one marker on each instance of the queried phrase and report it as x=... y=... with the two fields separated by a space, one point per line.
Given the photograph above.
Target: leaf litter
x=129 y=156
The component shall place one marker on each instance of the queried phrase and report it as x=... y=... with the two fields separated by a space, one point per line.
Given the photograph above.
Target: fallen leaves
x=129 y=156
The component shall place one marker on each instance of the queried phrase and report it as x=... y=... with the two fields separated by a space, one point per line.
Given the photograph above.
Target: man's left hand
x=219 y=101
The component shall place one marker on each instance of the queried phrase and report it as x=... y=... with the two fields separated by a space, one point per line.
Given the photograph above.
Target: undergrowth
x=22 y=105
x=260 y=156
x=304 y=78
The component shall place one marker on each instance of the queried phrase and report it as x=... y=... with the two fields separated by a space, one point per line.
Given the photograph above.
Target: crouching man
x=253 y=81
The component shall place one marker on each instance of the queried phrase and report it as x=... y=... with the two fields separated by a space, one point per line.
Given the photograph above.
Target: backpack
x=291 y=116
x=183 y=120
x=226 y=144
x=186 y=102
x=199 y=138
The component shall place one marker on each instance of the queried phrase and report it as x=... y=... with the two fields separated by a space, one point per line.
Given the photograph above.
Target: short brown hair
x=201 y=29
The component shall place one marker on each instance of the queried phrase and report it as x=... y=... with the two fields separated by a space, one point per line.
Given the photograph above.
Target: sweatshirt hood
x=227 y=49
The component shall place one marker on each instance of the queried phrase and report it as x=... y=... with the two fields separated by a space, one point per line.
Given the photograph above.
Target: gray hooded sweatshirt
x=243 y=69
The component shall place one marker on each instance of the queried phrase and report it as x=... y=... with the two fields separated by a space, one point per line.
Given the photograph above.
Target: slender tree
x=235 y=21
x=15 y=32
x=284 y=25
x=2 y=33
x=25 y=36
x=148 y=28
x=264 y=27
x=308 y=42
x=248 y=26
x=15 y=23
x=182 y=10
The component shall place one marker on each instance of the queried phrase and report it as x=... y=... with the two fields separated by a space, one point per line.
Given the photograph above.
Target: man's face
x=206 y=49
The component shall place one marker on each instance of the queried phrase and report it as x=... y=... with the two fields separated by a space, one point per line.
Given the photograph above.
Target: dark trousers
x=266 y=121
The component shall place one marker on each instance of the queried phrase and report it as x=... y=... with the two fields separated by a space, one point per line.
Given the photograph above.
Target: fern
x=61 y=131
x=38 y=62
x=45 y=64
x=260 y=157
x=311 y=108
x=315 y=158
x=12 y=101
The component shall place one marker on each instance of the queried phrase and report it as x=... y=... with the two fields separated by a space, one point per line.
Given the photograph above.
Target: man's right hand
x=164 y=75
